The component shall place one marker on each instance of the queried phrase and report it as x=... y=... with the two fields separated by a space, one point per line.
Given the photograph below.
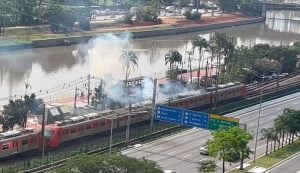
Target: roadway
x=180 y=152
x=290 y=166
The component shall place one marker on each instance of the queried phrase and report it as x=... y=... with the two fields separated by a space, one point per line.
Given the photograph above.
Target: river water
x=59 y=69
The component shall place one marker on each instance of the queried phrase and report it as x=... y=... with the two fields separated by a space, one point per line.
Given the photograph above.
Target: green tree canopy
x=109 y=164
x=227 y=143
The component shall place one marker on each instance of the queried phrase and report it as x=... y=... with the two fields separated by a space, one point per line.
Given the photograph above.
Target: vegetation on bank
x=73 y=16
x=242 y=63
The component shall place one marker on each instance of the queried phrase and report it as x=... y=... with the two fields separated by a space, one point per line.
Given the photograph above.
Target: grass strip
x=273 y=158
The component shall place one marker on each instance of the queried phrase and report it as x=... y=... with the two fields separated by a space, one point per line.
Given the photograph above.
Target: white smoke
x=103 y=54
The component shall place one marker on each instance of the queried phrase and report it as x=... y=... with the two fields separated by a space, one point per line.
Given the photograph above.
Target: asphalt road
x=290 y=166
x=180 y=153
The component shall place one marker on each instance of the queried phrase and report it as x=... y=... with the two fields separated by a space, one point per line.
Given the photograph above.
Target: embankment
x=136 y=34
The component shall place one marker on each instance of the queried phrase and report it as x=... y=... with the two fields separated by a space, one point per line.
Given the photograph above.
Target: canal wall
x=135 y=34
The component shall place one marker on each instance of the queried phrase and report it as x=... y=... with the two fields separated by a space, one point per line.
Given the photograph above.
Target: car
x=204 y=150
x=169 y=171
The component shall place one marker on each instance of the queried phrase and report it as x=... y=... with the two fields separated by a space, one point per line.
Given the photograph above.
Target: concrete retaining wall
x=138 y=34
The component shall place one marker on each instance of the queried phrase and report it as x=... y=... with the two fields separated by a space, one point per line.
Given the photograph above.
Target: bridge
x=278 y=5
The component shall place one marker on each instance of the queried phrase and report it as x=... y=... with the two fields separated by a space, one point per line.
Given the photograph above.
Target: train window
x=102 y=123
x=24 y=142
x=32 y=140
x=73 y=130
x=181 y=103
x=88 y=127
x=5 y=146
x=191 y=101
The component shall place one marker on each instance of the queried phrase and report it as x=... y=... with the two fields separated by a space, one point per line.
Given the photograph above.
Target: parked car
x=204 y=150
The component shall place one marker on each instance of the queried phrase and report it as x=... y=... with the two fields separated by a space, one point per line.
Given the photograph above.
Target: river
x=51 y=70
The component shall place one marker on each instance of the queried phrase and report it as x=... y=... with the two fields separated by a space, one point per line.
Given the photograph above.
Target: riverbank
x=36 y=37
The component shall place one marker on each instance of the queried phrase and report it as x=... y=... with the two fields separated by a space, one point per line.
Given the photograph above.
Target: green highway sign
x=217 y=122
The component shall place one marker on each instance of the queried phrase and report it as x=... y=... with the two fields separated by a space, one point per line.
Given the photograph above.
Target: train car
x=90 y=124
x=14 y=142
x=225 y=93
x=18 y=141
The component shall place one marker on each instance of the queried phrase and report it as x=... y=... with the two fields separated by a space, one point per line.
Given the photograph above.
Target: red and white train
x=15 y=142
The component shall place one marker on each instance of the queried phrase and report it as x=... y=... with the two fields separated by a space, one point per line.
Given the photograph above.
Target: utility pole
x=2 y=18
x=128 y=124
x=153 y=102
x=43 y=132
x=111 y=133
x=89 y=82
x=75 y=98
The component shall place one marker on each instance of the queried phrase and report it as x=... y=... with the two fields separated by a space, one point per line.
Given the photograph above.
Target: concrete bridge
x=278 y=5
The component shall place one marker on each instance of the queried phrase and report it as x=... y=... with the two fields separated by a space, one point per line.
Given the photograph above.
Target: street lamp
x=262 y=76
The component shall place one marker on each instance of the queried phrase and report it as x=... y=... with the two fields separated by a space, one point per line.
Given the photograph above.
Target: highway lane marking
x=202 y=159
x=157 y=149
x=187 y=155
x=186 y=139
x=278 y=108
x=268 y=105
x=271 y=117
x=172 y=152
x=252 y=124
x=295 y=103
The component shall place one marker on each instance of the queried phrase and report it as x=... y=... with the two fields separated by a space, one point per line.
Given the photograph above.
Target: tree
x=201 y=44
x=266 y=134
x=109 y=164
x=16 y=111
x=173 y=57
x=207 y=166
x=227 y=142
x=190 y=64
x=130 y=61
x=27 y=13
x=229 y=5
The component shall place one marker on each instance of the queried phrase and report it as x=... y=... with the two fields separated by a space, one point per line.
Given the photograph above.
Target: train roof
x=15 y=133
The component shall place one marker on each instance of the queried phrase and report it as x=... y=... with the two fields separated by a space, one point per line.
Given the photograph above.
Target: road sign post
x=194 y=118
x=218 y=122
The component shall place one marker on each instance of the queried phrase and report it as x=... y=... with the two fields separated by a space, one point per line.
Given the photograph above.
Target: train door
x=80 y=130
x=15 y=146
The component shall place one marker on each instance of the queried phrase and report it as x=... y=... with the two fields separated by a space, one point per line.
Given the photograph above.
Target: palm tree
x=201 y=44
x=171 y=58
x=130 y=61
x=190 y=64
x=266 y=134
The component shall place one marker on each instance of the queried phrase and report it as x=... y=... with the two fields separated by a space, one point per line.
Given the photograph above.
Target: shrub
x=188 y=15
x=128 y=18
x=84 y=23
x=159 y=21
x=146 y=14
x=196 y=16
x=192 y=15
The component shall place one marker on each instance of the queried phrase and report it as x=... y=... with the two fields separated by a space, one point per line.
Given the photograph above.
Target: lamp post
x=262 y=76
